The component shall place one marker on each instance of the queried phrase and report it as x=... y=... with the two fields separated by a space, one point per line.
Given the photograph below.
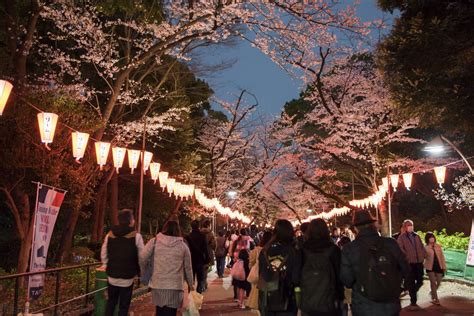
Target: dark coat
x=199 y=251
x=350 y=265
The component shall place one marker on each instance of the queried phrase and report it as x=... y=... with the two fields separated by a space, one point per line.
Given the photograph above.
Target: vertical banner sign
x=46 y=213
x=470 y=251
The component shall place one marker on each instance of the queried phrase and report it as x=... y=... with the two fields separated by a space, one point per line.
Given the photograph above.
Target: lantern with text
x=385 y=183
x=47 y=125
x=102 y=151
x=147 y=161
x=163 y=177
x=407 y=178
x=5 y=90
x=170 y=186
x=394 y=181
x=133 y=157
x=79 y=144
x=118 y=154
x=154 y=171
x=440 y=173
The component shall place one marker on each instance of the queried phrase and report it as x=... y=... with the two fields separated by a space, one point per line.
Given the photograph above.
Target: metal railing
x=57 y=273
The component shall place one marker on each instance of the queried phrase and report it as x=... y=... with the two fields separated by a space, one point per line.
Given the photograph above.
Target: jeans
x=200 y=273
x=414 y=280
x=166 y=311
x=122 y=295
x=220 y=265
x=435 y=281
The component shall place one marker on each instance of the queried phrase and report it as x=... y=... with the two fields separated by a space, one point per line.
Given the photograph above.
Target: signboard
x=47 y=208
x=470 y=249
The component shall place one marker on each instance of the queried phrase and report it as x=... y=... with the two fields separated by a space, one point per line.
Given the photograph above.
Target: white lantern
x=5 y=90
x=407 y=178
x=385 y=183
x=163 y=177
x=394 y=181
x=440 y=173
x=147 y=161
x=47 y=125
x=154 y=171
x=79 y=144
x=170 y=185
x=118 y=155
x=133 y=157
x=102 y=152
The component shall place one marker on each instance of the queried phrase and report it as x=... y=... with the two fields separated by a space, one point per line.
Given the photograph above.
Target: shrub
x=457 y=241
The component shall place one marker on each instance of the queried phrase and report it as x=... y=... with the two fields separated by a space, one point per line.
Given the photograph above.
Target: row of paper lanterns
x=47 y=125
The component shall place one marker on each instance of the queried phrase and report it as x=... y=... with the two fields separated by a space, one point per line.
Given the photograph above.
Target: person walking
x=279 y=269
x=322 y=292
x=211 y=248
x=199 y=255
x=336 y=234
x=435 y=265
x=241 y=284
x=120 y=254
x=301 y=238
x=253 y=300
x=411 y=245
x=373 y=267
x=242 y=242
x=171 y=267
x=221 y=253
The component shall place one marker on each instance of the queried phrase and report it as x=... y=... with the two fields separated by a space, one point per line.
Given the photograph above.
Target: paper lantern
x=440 y=173
x=118 y=155
x=5 y=90
x=394 y=181
x=147 y=161
x=407 y=178
x=154 y=171
x=102 y=151
x=47 y=125
x=163 y=177
x=79 y=144
x=170 y=185
x=385 y=183
x=133 y=157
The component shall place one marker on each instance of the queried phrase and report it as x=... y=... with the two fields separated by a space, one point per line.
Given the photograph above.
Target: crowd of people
x=315 y=269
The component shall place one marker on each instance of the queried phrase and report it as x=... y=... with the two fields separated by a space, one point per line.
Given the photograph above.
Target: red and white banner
x=47 y=208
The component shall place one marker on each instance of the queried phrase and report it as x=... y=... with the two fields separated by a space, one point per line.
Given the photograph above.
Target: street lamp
x=309 y=211
x=437 y=145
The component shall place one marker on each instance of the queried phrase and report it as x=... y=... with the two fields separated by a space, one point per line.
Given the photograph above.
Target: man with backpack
x=199 y=255
x=373 y=267
x=119 y=254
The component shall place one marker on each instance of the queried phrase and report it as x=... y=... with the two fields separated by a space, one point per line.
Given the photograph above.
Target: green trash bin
x=100 y=298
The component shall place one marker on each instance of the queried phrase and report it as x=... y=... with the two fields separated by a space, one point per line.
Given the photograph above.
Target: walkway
x=456 y=299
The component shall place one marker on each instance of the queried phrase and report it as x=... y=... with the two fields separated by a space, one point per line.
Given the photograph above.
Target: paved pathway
x=456 y=299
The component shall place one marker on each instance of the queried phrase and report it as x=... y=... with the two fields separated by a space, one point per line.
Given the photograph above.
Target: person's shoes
x=242 y=306
x=413 y=307
x=435 y=301
x=236 y=300
x=403 y=294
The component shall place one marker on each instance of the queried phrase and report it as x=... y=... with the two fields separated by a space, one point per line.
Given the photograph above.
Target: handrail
x=19 y=275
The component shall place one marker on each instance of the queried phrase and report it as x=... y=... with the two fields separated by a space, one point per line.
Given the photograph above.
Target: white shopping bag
x=193 y=304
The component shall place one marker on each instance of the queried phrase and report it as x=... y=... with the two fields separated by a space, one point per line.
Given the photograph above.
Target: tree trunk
x=383 y=218
x=100 y=224
x=114 y=200
x=68 y=234
x=95 y=215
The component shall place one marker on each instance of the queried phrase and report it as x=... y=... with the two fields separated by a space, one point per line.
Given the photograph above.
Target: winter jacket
x=171 y=265
x=350 y=269
x=221 y=250
x=122 y=253
x=430 y=252
x=412 y=247
x=211 y=243
x=198 y=246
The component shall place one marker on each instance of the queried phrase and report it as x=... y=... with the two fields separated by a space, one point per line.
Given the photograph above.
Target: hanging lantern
x=385 y=183
x=102 y=151
x=407 y=178
x=154 y=171
x=170 y=185
x=79 y=144
x=47 y=125
x=394 y=181
x=440 y=173
x=163 y=177
x=5 y=90
x=133 y=157
x=118 y=155
x=147 y=161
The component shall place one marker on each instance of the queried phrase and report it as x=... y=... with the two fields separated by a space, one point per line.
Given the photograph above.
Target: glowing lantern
x=170 y=185
x=118 y=154
x=133 y=157
x=394 y=181
x=163 y=176
x=147 y=161
x=407 y=177
x=47 y=125
x=385 y=183
x=102 y=151
x=5 y=89
x=440 y=173
x=79 y=144
x=154 y=171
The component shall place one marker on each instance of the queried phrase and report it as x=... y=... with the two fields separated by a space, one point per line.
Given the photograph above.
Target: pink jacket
x=429 y=259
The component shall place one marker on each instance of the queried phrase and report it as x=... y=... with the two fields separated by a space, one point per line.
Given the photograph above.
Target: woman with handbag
x=239 y=273
x=252 y=301
x=171 y=267
x=435 y=265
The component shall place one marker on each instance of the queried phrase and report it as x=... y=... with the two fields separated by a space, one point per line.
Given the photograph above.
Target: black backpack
x=318 y=282
x=379 y=275
x=277 y=291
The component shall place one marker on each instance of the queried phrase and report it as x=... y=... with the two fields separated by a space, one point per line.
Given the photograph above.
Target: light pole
x=437 y=146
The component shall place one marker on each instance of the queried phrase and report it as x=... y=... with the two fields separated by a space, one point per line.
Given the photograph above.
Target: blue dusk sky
x=251 y=70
